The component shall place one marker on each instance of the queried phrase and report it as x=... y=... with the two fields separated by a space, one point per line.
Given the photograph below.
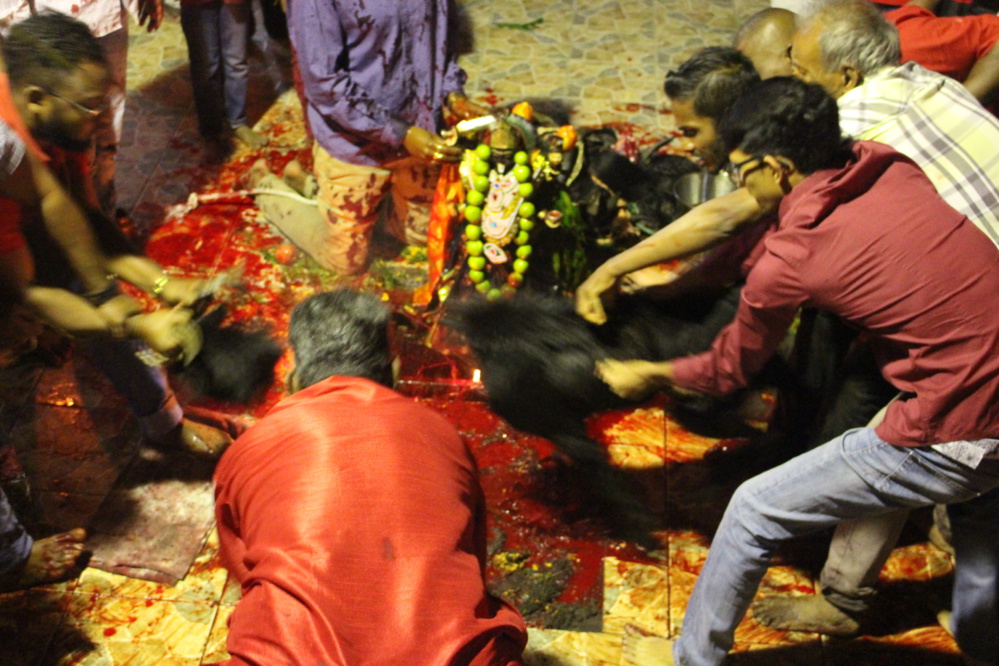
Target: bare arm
x=703 y=227
x=32 y=184
x=983 y=79
x=165 y=331
x=148 y=276
x=67 y=311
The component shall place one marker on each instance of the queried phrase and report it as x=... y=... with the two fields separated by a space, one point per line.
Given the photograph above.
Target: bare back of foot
x=296 y=177
x=246 y=134
x=812 y=613
x=52 y=558
x=256 y=173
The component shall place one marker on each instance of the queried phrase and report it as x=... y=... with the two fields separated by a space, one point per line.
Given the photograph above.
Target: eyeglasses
x=91 y=112
x=734 y=169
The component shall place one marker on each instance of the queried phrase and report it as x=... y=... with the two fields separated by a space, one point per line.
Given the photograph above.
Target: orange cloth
x=11 y=238
x=947 y=45
x=354 y=520
x=65 y=166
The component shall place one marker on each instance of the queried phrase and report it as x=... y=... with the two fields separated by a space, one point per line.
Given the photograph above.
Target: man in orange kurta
x=353 y=518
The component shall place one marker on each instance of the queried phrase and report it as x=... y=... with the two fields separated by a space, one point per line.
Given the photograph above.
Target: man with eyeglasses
x=57 y=90
x=108 y=21
x=927 y=116
x=864 y=235
x=849 y=48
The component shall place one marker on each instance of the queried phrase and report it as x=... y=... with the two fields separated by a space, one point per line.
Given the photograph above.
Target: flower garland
x=484 y=246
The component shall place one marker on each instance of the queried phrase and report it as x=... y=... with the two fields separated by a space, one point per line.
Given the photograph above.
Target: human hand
x=151 y=11
x=116 y=312
x=464 y=108
x=428 y=146
x=169 y=332
x=596 y=293
x=182 y=291
x=633 y=380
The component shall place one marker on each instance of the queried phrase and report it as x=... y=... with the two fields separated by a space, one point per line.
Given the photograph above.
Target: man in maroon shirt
x=864 y=235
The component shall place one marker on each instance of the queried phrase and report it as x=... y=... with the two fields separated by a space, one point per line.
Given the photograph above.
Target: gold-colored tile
x=637 y=595
x=637 y=441
x=551 y=647
x=917 y=562
x=139 y=632
x=215 y=649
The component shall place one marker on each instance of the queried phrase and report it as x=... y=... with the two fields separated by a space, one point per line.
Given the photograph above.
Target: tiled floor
x=601 y=60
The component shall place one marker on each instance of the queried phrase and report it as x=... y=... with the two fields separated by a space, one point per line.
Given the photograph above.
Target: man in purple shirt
x=864 y=235
x=377 y=74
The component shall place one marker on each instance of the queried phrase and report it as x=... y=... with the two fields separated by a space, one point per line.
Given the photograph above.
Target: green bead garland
x=474 y=243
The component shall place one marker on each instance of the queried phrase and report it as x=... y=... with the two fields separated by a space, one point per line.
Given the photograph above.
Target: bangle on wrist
x=159 y=285
x=101 y=297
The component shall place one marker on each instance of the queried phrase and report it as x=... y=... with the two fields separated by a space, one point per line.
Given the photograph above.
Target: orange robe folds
x=354 y=520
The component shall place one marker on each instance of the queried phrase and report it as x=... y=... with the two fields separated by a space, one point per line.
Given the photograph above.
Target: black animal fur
x=537 y=359
x=235 y=363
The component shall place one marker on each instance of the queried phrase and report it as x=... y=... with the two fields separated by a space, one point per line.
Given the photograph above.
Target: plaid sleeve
x=11 y=150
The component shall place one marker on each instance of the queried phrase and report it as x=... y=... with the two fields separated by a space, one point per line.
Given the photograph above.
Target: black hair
x=712 y=79
x=341 y=332
x=42 y=49
x=786 y=117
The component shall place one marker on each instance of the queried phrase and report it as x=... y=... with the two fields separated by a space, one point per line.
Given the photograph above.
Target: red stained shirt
x=947 y=45
x=874 y=244
x=354 y=520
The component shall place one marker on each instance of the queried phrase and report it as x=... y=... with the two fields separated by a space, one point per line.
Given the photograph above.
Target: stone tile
x=635 y=595
x=215 y=650
x=109 y=631
x=550 y=647
x=62 y=511
x=72 y=450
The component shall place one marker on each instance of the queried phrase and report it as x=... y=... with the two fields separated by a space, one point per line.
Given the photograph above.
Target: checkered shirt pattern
x=937 y=123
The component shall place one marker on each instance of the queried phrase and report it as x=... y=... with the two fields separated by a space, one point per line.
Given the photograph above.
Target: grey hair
x=341 y=332
x=854 y=33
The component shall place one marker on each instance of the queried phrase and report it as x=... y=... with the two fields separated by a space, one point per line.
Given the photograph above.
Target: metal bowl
x=696 y=188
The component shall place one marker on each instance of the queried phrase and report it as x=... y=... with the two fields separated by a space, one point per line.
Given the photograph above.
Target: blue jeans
x=851 y=476
x=146 y=388
x=15 y=544
x=217 y=38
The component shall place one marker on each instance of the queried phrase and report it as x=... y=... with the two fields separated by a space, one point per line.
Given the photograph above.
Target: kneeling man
x=353 y=516
x=864 y=235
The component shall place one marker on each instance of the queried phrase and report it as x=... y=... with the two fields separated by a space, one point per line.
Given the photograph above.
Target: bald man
x=766 y=40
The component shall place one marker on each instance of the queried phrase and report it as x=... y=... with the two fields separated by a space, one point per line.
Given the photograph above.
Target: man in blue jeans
x=864 y=235
x=218 y=36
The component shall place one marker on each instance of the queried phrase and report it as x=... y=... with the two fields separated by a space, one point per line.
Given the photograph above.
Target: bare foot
x=245 y=134
x=198 y=439
x=52 y=559
x=257 y=172
x=642 y=649
x=298 y=178
x=813 y=613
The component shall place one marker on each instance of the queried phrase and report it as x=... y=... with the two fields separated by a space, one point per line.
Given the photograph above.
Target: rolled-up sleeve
x=769 y=302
